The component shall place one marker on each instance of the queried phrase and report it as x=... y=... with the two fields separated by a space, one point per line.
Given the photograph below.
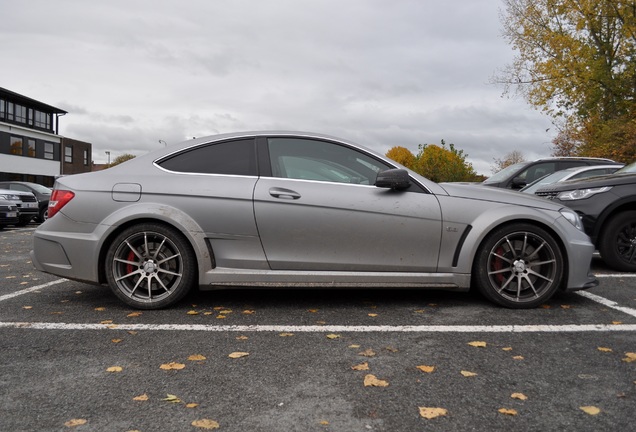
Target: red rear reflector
x=59 y=198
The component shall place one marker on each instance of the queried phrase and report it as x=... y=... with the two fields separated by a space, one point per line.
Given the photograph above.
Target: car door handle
x=284 y=193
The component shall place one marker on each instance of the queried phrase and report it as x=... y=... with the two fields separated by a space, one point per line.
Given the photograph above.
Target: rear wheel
x=617 y=243
x=150 y=266
x=519 y=266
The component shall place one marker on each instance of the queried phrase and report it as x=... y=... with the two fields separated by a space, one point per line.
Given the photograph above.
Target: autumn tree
x=576 y=61
x=437 y=163
x=120 y=159
x=511 y=158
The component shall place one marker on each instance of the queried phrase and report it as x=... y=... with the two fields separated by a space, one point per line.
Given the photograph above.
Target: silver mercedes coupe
x=294 y=209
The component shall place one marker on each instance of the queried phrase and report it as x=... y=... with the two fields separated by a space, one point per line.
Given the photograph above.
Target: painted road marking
x=30 y=290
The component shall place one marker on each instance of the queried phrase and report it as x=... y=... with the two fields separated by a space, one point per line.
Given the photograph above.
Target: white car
x=574 y=173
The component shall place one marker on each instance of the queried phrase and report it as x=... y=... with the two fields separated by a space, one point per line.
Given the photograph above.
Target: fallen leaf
x=27 y=307
x=373 y=381
x=603 y=349
x=218 y=308
x=192 y=405
x=427 y=369
x=478 y=344
x=431 y=413
x=367 y=353
x=372 y=315
x=75 y=422
x=116 y=340
x=141 y=398
x=132 y=332
x=323 y=422
x=238 y=354
x=354 y=346
x=545 y=306
x=225 y=311
x=192 y=312
x=197 y=357
x=285 y=334
x=333 y=336
x=617 y=322
x=631 y=357
x=115 y=369
x=205 y=424
x=208 y=313
x=391 y=349
x=172 y=366
x=468 y=374
x=248 y=312
x=242 y=338
x=519 y=396
x=507 y=411
x=361 y=366
x=566 y=307
x=106 y=322
x=591 y=410
x=419 y=311
x=312 y=310
x=99 y=309
x=172 y=398
x=507 y=349
x=134 y=314
x=517 y=358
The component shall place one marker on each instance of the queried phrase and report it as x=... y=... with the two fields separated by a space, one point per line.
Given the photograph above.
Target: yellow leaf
x=507 y=349
x=419 y=311
x=248 y=312
x=75 y=422
x=238 y=354
x=468 y=374
x=221 y=316
x=172 y=366
x=519 y=396
x=242 y=338
x=603 y=349
x=196 y=357
x=218 y=308
x=143 y=397
x=373 y=315
x=507 y=411
x=27 y=307
x=106 y=322
x=285 y=334
x=354 y=346
x=631 y=357
x=172 y=398
x=566 y=307
x=391 y=349
x=205 y=424
x=373 y=381
x=324 y=422
x=132 y=332
x=99 y=309
x=431 y=413
x=192 y=405
x=225 y=311
x=208 y=313
x=367 y=353
x=333 y=336
x=518 y=358
x=312 y=310
x=115 y=369
x=591 y=410
x=361 y=366
x=427 y=369
x=134 y=314
x=478 y=344
x=192 y=312
x=617 y=322
x=116 y=340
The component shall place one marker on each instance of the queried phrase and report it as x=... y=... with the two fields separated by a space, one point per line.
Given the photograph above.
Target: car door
x=321 y=211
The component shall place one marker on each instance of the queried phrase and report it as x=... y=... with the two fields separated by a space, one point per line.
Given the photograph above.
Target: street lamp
x=108 y=154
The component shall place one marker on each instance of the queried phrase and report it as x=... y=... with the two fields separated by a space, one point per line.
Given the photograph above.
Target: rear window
x=229 y=158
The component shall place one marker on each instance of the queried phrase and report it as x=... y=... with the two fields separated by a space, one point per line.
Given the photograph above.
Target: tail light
x=59 y=198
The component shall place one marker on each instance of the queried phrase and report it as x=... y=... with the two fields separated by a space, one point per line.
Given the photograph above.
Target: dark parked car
x=519 y=175
x=42 y=193
x=607 y=205
x=9 y=214
x=288 y=209
x=575 y=173
x=28 y=205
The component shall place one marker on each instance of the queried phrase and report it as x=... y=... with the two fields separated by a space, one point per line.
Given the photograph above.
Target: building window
x=16 y=146
x=86 y=157
x=30 y=116
x=68 y=154
x=20 y=113
x=1 y=108
x=31 y=148
x=9 y=110
x=48 y=150
x=42 y=120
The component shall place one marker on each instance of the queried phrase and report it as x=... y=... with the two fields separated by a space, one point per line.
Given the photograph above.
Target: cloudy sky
x=378 y=72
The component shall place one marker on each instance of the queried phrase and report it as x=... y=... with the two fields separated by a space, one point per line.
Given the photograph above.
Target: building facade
x=31 y=148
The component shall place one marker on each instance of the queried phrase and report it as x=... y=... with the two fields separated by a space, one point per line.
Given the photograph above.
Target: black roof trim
x=18 y=98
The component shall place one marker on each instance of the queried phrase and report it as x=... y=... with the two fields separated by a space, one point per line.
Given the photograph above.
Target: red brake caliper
x=498 y=265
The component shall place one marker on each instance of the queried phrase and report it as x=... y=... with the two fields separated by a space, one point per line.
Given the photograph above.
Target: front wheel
x=150 y=266
x=617 y=243
x=518 y=266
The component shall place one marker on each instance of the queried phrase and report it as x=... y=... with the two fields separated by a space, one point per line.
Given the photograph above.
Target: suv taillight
x=59 y=198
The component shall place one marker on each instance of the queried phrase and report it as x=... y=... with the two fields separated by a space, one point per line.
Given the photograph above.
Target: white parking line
x=329 y=328
x=607 y=302
x=29 y=290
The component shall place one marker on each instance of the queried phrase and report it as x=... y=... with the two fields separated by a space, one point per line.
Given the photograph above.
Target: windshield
x=42 y=189
x=505 y=173
x=627 y=169
x=548 y=179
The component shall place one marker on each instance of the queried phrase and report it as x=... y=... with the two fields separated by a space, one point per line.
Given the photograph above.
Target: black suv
x=518 y=175
x=607 y=205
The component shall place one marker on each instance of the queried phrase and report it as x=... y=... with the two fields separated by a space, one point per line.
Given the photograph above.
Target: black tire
x=44 y=214
x=150 y=266
x=24 y=221
x=518 y=266
x=617 y=242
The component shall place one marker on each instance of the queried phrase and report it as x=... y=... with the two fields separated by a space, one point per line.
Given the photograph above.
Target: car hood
x=505 y=196
x=592 y=182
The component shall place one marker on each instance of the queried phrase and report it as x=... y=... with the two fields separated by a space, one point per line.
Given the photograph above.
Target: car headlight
x=580 y=194
x=572 y=217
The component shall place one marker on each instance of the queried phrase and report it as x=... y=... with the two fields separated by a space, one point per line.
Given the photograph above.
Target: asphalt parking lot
x=75 y=358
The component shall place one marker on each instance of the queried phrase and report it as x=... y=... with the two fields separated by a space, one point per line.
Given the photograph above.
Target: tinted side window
x=572 y=164
x=308 y=159
x=537 y=171
x=230 y=157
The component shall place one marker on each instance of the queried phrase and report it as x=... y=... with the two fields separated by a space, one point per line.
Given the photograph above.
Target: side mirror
x=393 y=179
x=518 y=183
